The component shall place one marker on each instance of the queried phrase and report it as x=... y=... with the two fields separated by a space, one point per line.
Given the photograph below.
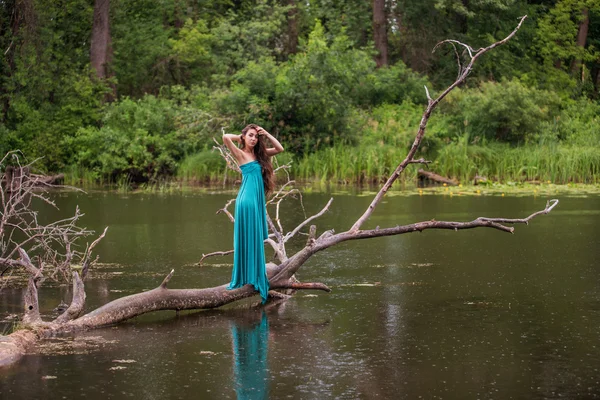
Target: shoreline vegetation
x=492 y=166
x=149 y=113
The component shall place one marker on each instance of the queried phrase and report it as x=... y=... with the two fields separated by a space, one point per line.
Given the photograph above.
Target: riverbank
x=403 y=188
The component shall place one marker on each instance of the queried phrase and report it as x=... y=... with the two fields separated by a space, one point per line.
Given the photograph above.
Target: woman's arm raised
x=277 y=147
x=228 y=140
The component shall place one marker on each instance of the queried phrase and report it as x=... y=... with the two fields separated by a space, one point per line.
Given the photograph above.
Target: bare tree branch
x=226 y=154
x=226 y=211
x=87 y=258
x=52 y=244
x=215 y=253
x=288 y=269
x=77 y=303
x=420 y=161
x=279 y=249
x=421 y=132
x=164 y=283
x=303 y=286
x=291 y=234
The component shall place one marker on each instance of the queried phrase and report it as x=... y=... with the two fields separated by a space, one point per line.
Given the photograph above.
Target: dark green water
x=476 y=314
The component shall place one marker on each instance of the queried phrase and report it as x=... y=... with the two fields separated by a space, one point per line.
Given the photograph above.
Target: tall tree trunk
x=380 y=32
x=581 y=39
x=179 y=14
x=596 y=77
x=292 y=42
x=100 y=50
x=22 y=25
x=462 y=20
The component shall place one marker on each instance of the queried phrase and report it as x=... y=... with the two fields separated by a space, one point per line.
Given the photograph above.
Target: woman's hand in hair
x=277 y=147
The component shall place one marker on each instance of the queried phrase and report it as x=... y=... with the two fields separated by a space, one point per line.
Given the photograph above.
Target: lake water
x=476 y=314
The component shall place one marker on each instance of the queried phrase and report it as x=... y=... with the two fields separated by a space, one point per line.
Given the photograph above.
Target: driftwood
x=281 y=274
x=13 y=176
x=436 y=178
x=48 y=179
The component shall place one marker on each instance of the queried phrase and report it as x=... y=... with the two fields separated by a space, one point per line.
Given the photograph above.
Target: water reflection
x=250 y=337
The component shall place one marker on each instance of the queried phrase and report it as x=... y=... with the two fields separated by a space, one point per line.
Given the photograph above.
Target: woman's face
x=251 y=138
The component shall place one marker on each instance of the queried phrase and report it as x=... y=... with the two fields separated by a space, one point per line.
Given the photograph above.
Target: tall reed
x=204 y=167
x=345 y=164
x=500 y=162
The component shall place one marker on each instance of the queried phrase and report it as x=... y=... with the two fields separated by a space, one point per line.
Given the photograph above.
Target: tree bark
x=100 y=49
x=436 y=178
x=292 y=42
x=14 y=346
x=581 y=39
x=179 y=14
x=596 y=77
x=23 y=24
x=462 y=20
x=380 y=32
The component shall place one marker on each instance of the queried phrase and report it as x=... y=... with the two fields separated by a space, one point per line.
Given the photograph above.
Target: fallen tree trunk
x=48 y=179
x=436 y=178
x=280 y=277
x=14 y=176
x=15 y=345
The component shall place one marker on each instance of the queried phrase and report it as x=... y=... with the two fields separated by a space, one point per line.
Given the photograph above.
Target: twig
x=215 y=253
x=307 y=221
x=420 y=161
x=226 y=211
x=163 y=285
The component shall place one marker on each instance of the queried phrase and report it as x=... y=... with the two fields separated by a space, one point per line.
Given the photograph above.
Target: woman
x=250 y=227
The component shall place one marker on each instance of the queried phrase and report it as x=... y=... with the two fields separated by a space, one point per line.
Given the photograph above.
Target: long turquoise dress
x=250 y=231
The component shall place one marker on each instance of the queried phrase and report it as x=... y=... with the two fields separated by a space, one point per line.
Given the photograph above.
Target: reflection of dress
x=251 y=369
x=250 y=231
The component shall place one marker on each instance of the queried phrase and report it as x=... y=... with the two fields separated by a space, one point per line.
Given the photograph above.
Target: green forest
x=111 y=91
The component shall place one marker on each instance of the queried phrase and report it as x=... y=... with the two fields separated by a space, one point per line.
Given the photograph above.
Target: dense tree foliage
x=175 y=72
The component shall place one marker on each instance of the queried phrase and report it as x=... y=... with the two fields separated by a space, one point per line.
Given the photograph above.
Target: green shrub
x=310 y=100
x=392 y=84
x=397 y=125
x=577 y=124
x=137 y=138
x=506 y=112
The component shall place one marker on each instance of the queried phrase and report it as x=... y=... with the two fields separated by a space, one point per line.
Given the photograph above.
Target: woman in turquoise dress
x=250 y=226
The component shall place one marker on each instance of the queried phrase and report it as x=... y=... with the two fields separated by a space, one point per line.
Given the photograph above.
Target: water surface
x=438 y=314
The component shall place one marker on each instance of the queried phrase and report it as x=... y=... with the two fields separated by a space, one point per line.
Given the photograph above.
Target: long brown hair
x=260 y=151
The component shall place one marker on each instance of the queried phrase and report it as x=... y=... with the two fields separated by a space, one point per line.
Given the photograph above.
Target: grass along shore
x=371 y=164
x=502 y=165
